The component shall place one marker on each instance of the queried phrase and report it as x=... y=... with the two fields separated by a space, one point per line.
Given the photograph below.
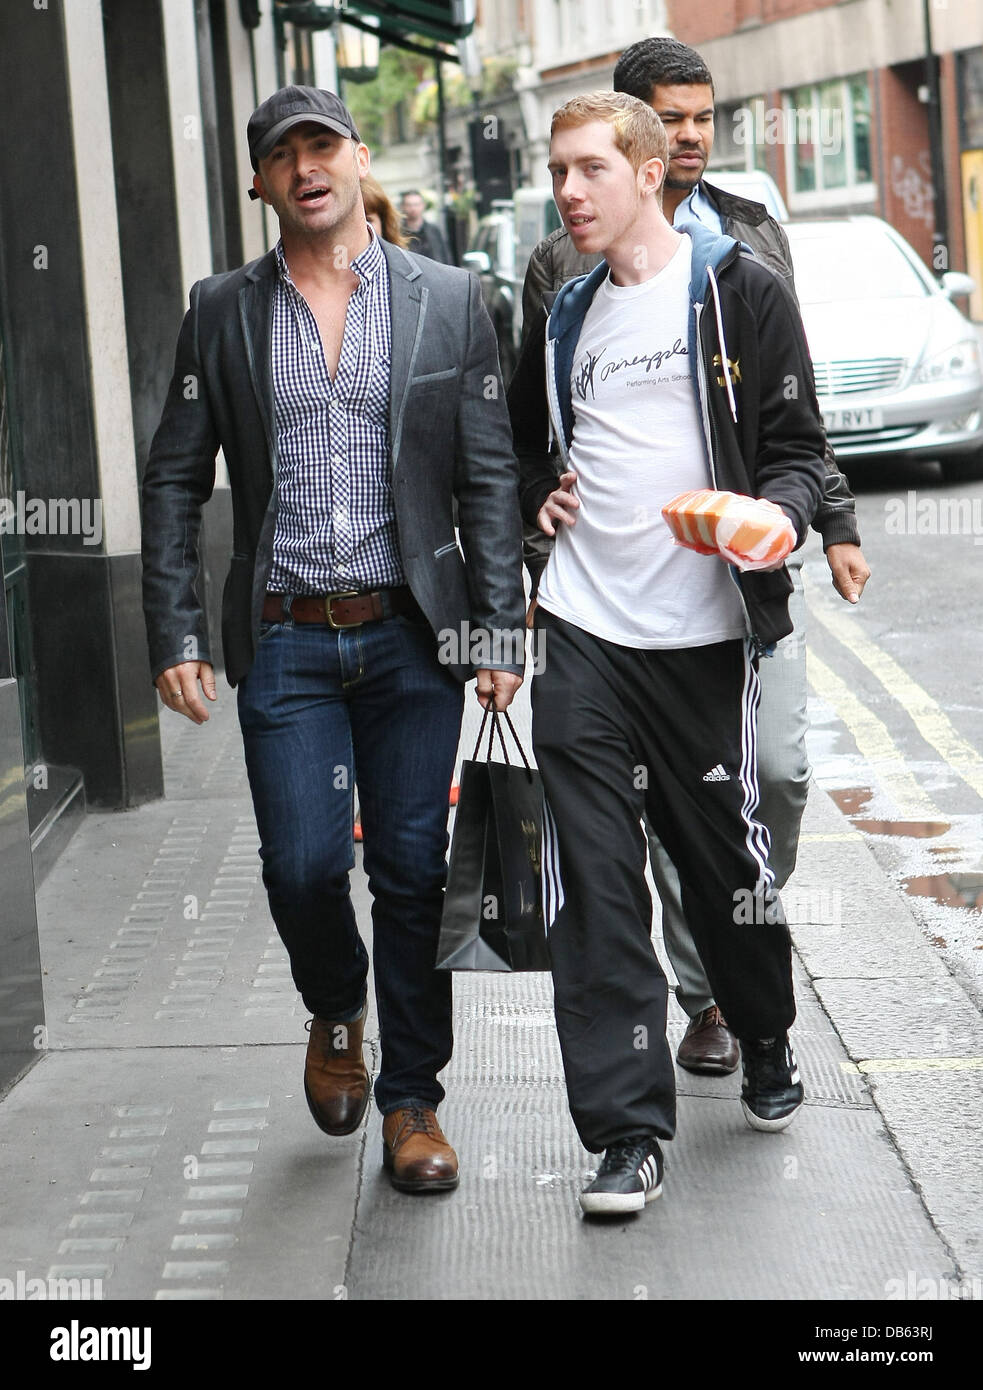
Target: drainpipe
x=940 y=231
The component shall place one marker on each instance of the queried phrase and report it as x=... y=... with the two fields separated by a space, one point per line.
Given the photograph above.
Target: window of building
x=969 y=66
x=740 y=134
x=729 y=151
x=825 y=128
x=560 y=22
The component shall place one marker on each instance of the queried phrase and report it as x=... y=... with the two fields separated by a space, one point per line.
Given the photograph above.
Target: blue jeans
x=319 y=708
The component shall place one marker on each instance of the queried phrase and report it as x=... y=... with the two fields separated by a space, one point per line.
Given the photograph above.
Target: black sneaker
x=772 y=1092
x=629 y=1176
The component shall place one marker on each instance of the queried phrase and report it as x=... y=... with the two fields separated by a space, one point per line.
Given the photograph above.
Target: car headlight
x=961 y=359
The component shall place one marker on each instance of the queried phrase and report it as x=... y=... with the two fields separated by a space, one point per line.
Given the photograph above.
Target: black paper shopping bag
x=493 y=907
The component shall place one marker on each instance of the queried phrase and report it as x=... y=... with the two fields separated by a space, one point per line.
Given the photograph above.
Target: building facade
x=124 y=186
x=574 y=46
x=834 y=99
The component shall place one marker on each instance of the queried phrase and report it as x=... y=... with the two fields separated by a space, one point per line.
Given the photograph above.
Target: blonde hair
x=638 y=133
x=376 y=200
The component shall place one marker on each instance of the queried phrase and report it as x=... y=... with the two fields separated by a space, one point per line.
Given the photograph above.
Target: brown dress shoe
x=415 y=1153
x=336 y=1081
x=708 y=1045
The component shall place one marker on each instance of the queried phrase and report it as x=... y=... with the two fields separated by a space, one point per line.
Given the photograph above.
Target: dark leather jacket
x=555 y=260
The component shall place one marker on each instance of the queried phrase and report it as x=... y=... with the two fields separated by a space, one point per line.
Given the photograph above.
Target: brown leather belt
x=349 y=609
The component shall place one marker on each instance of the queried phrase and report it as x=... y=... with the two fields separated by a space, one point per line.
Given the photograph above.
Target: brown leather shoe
x=708 y=1045
x=336 y=1082
x=415 y=1153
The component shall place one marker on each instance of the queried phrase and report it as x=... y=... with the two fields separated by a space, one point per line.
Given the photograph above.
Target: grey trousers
x=783 y=778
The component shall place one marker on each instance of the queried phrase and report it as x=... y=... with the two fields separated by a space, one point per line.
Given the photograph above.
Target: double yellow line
x=876 y=745
x=871 y=734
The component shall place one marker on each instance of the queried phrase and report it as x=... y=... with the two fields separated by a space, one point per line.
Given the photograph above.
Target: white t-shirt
x=637 y=443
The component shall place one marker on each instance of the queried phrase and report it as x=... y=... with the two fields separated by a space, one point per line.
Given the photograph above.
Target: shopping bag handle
x=496 y=728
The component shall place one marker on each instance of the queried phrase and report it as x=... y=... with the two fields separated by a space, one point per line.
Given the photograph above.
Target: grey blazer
x=449 y=438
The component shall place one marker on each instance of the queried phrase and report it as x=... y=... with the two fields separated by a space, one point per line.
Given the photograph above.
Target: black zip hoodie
x=753 y=375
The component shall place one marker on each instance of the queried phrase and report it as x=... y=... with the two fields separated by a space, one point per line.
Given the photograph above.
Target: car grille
x=858 y=374
x=856 y=439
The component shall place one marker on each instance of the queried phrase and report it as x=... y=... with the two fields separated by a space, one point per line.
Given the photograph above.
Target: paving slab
x=175 y=1173
x=824 y=1210
x=163 y=1145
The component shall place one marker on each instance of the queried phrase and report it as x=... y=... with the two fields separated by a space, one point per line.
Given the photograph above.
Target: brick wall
x=904 y=169
x=715 y=19
x=901 y=153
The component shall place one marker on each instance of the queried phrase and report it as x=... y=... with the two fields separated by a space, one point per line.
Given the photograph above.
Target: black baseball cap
x=292 y=106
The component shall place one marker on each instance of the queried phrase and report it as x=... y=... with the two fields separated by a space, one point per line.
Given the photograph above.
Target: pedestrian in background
x=425 y=238
x=380 y=212
x=356 y=377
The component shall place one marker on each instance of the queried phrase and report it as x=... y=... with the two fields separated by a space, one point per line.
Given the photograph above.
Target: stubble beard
x=685 y=183
x=339 y=222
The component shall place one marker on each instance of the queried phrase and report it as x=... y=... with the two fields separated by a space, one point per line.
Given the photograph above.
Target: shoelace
x=770 y=1061
x=625 y=1157
x=418 y=1121
x=711 y=1018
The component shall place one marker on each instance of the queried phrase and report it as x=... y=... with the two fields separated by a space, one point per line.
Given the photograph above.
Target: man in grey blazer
x=355 y=392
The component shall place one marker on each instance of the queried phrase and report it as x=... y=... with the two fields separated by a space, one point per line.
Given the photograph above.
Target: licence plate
x=861 y=418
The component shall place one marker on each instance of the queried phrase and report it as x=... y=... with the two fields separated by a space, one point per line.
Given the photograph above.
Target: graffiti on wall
x=912 y=183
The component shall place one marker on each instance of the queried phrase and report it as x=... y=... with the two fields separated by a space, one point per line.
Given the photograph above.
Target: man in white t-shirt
x=677 y=83
x=678 y=363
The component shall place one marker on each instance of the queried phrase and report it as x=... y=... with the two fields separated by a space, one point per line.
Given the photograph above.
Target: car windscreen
x=852 y=265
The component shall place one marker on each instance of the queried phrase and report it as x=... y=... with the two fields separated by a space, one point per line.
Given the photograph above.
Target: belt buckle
x=329 y=600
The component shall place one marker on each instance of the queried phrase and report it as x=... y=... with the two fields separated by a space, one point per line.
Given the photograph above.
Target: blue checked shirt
x=336 y=519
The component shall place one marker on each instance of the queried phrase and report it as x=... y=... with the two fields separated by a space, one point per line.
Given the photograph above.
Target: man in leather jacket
x=676 y=82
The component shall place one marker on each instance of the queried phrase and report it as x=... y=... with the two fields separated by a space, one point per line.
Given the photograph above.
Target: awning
x=448 y=21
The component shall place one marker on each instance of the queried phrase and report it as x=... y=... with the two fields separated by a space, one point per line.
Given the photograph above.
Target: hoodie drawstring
x=723 y=343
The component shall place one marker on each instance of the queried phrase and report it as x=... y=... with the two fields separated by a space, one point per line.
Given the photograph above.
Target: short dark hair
x=411 y=193
x=659 y=62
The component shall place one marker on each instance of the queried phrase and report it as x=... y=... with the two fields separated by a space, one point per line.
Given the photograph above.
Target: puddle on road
x=853 y=800
x=962 y=888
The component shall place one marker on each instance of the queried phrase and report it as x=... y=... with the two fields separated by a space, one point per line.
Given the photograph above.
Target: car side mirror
x=478 y=261
x=954 y=283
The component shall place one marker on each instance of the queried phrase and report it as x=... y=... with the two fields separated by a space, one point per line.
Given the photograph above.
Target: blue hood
x=575 y=297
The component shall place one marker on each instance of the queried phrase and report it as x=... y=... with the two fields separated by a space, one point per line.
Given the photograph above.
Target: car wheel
x=963 y=468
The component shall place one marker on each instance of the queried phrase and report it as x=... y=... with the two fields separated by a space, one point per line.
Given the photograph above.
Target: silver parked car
x=752 y=183
x=491 y=256
x=897 y=365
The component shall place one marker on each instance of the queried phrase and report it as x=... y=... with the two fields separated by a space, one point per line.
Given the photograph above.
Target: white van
x=535 y=217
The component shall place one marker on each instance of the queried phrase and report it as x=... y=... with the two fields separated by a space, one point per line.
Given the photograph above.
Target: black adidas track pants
x=618 y=731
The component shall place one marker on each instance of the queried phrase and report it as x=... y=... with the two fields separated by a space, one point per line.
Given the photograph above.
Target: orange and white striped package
x=751 y=533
